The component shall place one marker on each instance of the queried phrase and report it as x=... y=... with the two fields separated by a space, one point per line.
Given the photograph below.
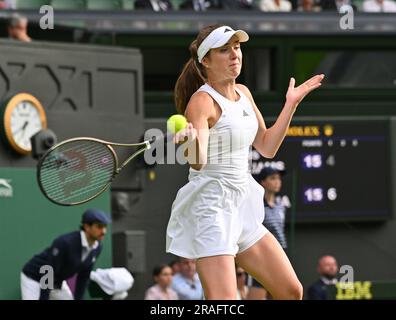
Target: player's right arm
x=199 y=111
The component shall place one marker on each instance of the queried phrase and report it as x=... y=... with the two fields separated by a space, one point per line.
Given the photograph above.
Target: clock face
x=25 y=122
x=24 y=116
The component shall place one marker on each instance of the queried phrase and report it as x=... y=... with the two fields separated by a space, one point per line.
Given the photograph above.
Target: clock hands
x=22 y=129
x=25 y=125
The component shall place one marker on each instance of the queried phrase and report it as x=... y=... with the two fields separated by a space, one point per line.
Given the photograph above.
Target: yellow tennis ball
x=176 y=123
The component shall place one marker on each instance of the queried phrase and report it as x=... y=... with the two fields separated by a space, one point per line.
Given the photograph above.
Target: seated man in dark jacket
x=328 y=270
x=70 y=255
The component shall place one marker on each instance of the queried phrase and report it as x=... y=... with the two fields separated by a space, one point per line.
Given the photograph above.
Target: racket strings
x=69 y=163
x=76 y=171
x=50 y=177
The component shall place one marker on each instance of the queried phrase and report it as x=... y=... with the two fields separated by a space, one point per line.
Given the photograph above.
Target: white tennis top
x=231 y=137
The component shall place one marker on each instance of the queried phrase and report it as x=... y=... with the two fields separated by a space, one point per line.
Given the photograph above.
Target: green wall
x=29 y=223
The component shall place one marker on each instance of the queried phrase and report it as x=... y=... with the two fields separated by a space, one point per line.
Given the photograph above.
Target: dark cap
x=269 y=171
x=95 y=216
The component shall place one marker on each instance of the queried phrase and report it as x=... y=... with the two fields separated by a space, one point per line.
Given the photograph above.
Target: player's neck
x=225 y=88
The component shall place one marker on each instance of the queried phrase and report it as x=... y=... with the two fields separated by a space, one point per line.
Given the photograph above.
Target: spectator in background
x=271 y=180
x=328 y=5
x=236 y=4
x=8 y=4
x=186 y=283
x=241 y=277
x=175 y=266
x=275 y=210
x=198 y=5
x=275 y=5
x=155 y=5
x=379 y=6
x=161 y=290
x=336 y=5
x=328 y=270
x=308 y=6
x=17 y=28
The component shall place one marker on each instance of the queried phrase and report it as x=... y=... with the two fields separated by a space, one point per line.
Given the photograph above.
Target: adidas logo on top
x=245 y=114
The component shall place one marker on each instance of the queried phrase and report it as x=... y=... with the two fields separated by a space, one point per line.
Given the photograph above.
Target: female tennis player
x=217 y=216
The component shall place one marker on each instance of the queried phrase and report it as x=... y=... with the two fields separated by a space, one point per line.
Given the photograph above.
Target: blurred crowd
x=262 y=5
x=179 y=281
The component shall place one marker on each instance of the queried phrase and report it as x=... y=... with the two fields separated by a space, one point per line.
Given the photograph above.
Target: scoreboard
x=336 y=168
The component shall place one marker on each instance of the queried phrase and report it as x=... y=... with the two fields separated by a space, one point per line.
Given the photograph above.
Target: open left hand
x=295 y=95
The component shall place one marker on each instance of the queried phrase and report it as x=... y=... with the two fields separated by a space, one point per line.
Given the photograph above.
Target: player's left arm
x=268 y=140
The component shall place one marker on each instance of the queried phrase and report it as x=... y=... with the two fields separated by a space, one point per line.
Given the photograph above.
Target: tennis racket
x=78 y=170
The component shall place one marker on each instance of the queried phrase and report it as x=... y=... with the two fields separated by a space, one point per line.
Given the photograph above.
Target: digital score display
x=340 y=169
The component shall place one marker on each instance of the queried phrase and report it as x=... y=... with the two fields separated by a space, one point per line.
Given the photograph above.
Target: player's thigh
x=217 y=275
x=267 y=262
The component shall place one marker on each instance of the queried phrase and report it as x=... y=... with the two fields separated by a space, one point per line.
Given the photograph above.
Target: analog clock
x=23 y=117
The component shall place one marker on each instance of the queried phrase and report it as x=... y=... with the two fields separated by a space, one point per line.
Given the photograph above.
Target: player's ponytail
x=193 y=74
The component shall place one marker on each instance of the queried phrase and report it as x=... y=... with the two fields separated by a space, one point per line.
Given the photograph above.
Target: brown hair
x=193 y=74
x=158 y=269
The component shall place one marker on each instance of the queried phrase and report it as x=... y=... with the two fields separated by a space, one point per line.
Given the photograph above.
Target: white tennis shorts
x=215 y=215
